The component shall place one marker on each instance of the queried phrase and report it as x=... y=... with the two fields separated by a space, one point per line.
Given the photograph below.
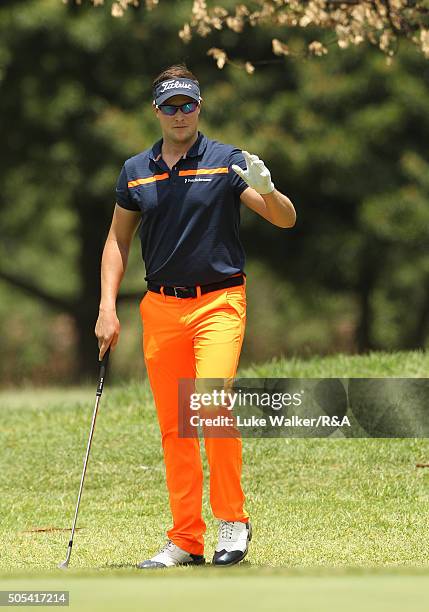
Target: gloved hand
x=257 y=174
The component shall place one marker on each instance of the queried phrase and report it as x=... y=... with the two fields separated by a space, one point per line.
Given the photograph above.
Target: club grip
x=103 y=370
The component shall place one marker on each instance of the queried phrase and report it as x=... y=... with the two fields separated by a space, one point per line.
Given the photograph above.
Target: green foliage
x=343 y=135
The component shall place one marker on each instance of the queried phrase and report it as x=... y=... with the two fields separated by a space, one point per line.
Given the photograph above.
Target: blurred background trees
x=344 y=136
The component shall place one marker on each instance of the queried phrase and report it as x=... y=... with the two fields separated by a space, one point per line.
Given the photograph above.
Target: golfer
x=184 y=193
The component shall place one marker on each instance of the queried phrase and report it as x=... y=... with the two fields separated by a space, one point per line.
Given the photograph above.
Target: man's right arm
x=113 y=266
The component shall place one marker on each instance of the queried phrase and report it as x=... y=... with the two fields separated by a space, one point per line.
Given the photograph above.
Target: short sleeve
x=122 y=193
x=238 y=185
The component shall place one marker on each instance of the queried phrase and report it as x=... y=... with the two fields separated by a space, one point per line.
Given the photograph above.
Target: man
x=185 y=193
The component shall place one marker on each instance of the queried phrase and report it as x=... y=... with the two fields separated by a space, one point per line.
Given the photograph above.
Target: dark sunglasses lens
x=189 y=107
x=168 y=109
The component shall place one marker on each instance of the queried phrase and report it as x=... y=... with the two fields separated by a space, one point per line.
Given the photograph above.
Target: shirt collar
x=197 y=148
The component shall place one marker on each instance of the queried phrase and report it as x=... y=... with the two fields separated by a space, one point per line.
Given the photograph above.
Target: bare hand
x=107 y=330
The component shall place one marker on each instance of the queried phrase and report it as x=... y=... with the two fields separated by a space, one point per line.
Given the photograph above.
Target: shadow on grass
x=118 y=566
x=193 y=568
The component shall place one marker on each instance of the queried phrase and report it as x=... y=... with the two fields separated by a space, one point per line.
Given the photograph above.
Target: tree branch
x=417 y=338
x=36 y=292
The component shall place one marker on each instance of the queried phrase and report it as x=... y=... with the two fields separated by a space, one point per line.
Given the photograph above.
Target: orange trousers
x=197 y=337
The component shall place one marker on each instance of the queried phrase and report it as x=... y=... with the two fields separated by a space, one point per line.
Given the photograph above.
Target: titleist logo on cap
x=174 y=84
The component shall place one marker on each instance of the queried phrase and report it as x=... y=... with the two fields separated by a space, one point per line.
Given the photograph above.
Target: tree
x=344 y=136
x=382 y=23
x=65 y=101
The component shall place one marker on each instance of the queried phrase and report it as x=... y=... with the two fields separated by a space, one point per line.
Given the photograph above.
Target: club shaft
x=103 y=369
x=85 y=463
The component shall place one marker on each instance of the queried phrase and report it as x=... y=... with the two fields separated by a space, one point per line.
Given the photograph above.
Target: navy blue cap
x=174 y=87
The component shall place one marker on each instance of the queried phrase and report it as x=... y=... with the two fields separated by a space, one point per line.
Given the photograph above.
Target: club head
x=64 y=564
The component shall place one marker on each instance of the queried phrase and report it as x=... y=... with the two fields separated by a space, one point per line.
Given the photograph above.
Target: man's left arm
x=261 y=195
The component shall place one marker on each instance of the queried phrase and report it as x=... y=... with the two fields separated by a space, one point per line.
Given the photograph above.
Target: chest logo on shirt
x=195 y=175
x=197 y=180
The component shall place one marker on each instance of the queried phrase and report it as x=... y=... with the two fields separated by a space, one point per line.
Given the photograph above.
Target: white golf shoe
x=171 y=555
x=233 y=542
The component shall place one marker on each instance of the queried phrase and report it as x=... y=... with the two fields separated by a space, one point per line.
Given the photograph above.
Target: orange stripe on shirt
x=149 y=179
x=203 y=171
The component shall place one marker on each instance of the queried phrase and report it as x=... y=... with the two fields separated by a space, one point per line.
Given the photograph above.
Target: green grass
x=211 y=591
x=334 y=519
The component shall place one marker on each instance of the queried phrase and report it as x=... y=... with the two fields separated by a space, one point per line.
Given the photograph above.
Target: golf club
x=103 y=368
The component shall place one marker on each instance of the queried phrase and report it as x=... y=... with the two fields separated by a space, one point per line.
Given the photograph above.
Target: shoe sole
x=201 y=561
x=244 y=554
x=171 y=566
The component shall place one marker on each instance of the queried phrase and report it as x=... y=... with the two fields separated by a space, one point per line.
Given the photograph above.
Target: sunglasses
x=170 y=109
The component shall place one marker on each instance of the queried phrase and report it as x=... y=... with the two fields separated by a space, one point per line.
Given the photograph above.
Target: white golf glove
x=257 y=174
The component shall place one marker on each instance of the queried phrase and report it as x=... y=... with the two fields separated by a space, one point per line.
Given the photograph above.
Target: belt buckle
x=175 y=291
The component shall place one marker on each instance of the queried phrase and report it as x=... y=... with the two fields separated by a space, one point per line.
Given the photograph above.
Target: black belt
x=188 y=292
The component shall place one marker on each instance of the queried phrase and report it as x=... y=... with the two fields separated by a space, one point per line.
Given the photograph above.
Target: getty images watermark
x=304 y=407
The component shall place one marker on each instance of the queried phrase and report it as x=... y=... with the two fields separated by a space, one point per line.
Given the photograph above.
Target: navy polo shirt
x=190 y=221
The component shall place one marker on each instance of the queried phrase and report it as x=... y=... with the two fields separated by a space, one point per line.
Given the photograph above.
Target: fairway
x=337 y=522
x=248 y=590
